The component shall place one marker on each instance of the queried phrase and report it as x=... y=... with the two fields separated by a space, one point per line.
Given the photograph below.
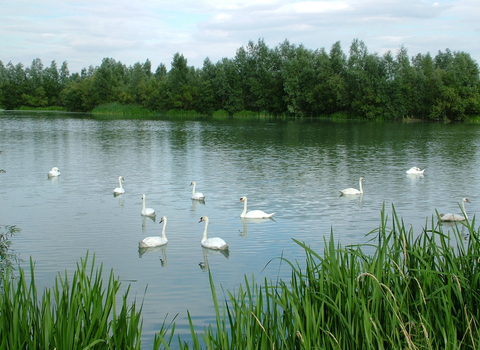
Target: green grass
x=77 y=313
x=121 y=109
x=180 y=113
x=49 y=108
x=400 y=291
x=221 y=113
x=251 y=114
x=7 y=257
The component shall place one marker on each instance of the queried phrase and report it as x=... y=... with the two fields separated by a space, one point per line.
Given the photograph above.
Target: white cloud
x=84 y=33
x=310 y=7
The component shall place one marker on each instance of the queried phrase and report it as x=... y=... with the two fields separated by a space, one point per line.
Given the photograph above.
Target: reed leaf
x=400 y=290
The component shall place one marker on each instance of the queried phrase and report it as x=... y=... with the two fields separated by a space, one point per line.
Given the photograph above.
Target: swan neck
x=120 y=182
x=360 y=185
x=163 y=229
x=193 y=189
x=464 y=211
x=204 y=238
x=244 y=207
x=143 y=202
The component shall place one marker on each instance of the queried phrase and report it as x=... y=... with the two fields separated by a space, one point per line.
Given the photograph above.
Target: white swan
x=354 y=190
x=196 y=195
x=415 y=171
x=214 y=242
x=253 y=214
x=155 y=241
x=147 y=211
x=54 y=172
x=456 y=217
x=120 y=189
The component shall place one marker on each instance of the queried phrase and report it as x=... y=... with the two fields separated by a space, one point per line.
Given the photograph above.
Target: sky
x=84 y=32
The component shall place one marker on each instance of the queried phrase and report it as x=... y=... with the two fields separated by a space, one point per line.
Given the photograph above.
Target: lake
x=294 y=168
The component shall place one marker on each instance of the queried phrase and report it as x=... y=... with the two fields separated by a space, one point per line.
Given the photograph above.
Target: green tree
x=77 y=96
x=298 y=72
x=109 y=83
x=264 y=80
x=181 y=84
x=15 y=86
x=52 y=84
x=228 y=86
x=138 y=82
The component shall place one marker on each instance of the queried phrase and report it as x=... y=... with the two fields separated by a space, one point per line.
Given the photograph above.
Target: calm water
x=293 y=168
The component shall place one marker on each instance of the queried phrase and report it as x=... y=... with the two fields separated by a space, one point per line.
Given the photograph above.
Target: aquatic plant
x=400 y=291
x=7 y=257
x=77 y=313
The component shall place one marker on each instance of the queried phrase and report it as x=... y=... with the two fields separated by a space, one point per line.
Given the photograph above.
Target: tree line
x=287 y=80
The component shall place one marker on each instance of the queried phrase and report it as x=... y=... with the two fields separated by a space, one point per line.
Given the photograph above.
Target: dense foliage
x=288 y=80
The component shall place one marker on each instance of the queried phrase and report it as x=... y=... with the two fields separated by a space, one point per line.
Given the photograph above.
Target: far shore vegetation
x=288 y=80
x=400 y=290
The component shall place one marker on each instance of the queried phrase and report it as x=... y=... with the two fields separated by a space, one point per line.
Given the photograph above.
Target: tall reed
x=401 y=290
x=77 y=313
x=7 y=257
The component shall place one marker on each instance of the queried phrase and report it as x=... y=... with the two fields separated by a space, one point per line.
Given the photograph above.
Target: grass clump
x=399 y=291
x=181 y=113
x=251 y=114
x=7 y=257
x=49 y=108
x=221 y=113
x=121 y=109
x=77 y=313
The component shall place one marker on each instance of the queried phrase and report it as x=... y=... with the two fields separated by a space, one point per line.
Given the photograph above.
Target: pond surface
x=294 y=168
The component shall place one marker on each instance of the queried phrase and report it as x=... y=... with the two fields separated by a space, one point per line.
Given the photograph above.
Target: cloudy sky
x=83 y=32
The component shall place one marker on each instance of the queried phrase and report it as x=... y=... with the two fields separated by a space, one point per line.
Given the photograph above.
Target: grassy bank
x=401 y=290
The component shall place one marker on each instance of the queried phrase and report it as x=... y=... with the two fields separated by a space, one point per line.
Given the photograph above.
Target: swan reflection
x=415 y=176
x=352 y=197
x=162 y=249
x=195 y=202
x=53 y=179
x=252 y=221
x=120 y=199
x=206 y=252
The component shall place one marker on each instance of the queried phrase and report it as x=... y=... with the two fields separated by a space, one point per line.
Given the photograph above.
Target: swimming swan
x=253 y=214
x=147 y=211
x=119 y=190
x=354 y=190
x=214 y=242
x=456 y=217
x=196 y=195
x=155 y=241
x=415 y=170
x=54 y=172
